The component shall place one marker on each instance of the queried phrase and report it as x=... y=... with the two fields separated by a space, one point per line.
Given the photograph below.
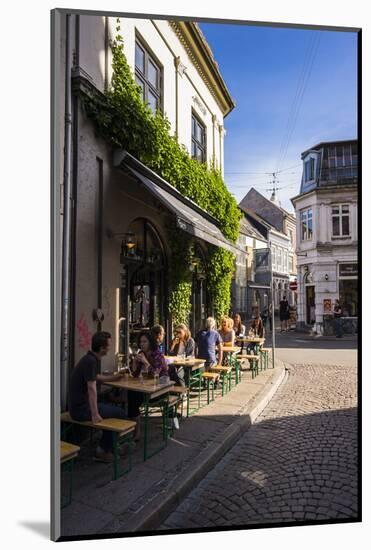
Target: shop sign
x=348 y=270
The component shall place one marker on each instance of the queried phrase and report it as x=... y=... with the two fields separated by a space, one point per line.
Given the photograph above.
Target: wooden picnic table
x=150 y=390
x=189 y=363
x=231 y=349
x=250 y=340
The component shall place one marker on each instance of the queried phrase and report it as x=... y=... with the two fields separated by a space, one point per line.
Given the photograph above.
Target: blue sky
x=262 y=67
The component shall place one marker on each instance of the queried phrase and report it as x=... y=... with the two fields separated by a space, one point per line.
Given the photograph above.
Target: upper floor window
x=148 y=76
x=340 y=162
x=306 y=224
x=309 y=170
x=198 y=139
x=340 y=220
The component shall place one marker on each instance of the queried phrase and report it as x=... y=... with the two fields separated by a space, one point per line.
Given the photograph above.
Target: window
x=148 y=76
x=340 y=220
x=198 y=139
x=306 y=224
x=273 y=257
x=291 y=264
x=309 y=170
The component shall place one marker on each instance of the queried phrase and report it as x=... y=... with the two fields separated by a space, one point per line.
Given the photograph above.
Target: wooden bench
x=122 y=432
x=68 y=453
x=254 y=365
x=210 y=378
x=226 y=374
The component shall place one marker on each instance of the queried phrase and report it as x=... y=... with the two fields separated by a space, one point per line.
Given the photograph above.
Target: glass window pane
x=335 y=210
x=345 y=208
x=348 y=296
x=335 y=226
x=139 y=58
x=339 y=151
x=194 y=151
x=354 y=149
x=332 y=152
x=152 y=101
x=310 y=227
x=152 y=74
x=193 y=127
x=354 y=160
x=332 y=162
x=141 y=84
x=199 y=154
x=345 y=224
x=339 y=161
x=354 y=172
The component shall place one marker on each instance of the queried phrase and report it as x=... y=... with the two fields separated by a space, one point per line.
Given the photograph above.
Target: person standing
x=338 y=312
x=83 y=395
x=284 y=313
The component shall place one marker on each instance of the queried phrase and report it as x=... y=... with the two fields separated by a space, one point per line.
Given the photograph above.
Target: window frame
x=304 y=218
x=149 y=56
x=340 y=215
x=311 y=163
x=195 y=141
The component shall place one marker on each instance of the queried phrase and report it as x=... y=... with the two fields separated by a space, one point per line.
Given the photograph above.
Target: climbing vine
x=124 y=120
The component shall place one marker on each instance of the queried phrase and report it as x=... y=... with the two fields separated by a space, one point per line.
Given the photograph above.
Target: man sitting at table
x=207 y=340
x=83 y=395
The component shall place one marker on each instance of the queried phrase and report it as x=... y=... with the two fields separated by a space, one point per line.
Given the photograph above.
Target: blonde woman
x=183 y=342
x=226 y=331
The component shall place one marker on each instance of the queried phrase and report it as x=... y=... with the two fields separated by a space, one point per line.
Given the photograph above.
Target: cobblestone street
x=297 y=462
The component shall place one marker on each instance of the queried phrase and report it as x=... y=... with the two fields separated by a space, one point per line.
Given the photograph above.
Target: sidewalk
x=143 y=498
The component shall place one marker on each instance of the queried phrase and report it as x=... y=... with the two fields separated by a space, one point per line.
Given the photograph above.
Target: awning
x=189 y=216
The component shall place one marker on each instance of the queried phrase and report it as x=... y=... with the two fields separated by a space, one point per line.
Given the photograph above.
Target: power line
x=299 y=94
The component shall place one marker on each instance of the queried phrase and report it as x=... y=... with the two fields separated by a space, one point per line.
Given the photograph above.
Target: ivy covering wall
x=123 y=120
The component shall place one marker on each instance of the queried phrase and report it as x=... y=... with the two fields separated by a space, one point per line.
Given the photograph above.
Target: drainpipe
x=66 y=251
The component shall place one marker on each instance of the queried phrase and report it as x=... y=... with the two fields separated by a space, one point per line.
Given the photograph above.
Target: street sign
x=293 y=285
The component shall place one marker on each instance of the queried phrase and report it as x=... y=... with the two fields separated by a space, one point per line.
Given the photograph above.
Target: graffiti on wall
x=83 y=333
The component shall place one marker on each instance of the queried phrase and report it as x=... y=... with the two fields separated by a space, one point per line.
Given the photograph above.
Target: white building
x=114 y=197
x=327 y=239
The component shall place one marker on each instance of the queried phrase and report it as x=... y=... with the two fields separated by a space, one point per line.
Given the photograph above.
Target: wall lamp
x=326 y=277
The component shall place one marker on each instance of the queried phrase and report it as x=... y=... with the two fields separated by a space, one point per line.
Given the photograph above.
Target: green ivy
x=123 y=120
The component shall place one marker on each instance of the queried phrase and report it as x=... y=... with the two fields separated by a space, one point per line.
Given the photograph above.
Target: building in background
x=327 y=239
x=246 y=292
x=280 y=231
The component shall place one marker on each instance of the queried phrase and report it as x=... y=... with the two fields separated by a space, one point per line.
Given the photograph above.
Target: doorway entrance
x=310 y=305
x=143 y=300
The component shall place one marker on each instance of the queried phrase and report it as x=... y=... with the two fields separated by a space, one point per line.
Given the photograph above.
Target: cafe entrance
x=143 y=300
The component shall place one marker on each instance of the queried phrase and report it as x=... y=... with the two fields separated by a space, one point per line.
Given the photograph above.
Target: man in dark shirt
x=83 y=398
x=206 y=341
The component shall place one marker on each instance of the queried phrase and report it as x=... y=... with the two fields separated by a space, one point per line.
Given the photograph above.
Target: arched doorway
x=143 y=301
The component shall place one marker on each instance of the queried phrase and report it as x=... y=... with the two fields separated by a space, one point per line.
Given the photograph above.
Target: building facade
x=120 y=209
x=327 y=238
x=248 y=294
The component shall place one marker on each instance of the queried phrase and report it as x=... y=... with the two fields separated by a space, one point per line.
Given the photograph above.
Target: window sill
x=342 y=238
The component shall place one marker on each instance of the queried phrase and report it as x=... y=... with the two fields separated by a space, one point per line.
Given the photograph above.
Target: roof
x=285 y=212
x=246 y=228
x=324 y=143
x=199 y=51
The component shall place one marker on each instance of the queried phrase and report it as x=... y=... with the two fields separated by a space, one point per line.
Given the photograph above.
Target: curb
x=152 y=515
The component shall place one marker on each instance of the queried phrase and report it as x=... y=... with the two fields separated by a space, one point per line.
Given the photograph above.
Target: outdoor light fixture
x=326 y=277
x=129 y=241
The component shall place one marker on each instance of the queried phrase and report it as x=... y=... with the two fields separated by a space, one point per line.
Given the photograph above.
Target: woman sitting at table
x=227 y=335
x=183 y=342
x=256 y=330
x=148 y=360
x=238 y=327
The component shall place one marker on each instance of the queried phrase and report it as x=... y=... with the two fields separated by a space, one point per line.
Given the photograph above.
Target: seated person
x=182 y=343
x=227 y=335
x=158 y=334
x=83 y=395
x=207 y=340
x=148 y=360
x=256 y=330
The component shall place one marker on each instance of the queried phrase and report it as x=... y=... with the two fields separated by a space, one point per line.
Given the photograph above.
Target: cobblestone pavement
x=297 y=462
